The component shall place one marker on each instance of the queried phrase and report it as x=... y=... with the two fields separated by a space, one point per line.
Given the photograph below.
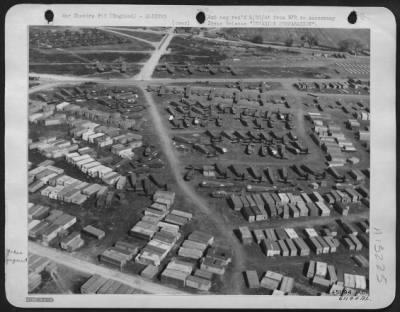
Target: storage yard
x=194 y=177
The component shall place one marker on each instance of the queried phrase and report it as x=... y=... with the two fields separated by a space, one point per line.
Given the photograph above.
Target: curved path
x=239 y=254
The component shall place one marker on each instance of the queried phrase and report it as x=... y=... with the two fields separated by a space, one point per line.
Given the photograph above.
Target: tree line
x=349 y=45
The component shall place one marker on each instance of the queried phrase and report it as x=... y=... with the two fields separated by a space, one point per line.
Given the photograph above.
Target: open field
x=327 y=38
x=256 y=60
x=150 y=36
x=110 y=57
x=132 y=45
x=71 y=69
x=74 y=38
x=144 y=29
x=257 y=71
x=81 y=70
x=57 y=50
x=46 y=56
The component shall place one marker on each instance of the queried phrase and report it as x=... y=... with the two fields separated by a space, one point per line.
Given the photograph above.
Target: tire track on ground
x=239 y=255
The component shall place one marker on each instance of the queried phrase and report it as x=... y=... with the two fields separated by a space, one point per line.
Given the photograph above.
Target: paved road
x=148 y=68
x=91 y=268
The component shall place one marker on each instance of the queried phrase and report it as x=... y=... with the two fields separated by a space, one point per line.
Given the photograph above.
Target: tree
x=258 y=39
x=309 y=39
x=350 y=45
x=289 y=41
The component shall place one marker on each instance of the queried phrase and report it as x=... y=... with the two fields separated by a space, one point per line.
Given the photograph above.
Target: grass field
x=328 y=38
x=193 y=60
x=195 y=47
x=70 y=69
x=131 y=43
x=257 y=72
x=47 y=56
x=109 y=57
x=155 y=28
x=81 y=70
x=253 y=61
x=153 y=37
x=134 y=45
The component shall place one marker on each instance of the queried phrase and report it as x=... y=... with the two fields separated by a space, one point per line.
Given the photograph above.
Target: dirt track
x=239 y=253
x=154 y=44
x=91 y=268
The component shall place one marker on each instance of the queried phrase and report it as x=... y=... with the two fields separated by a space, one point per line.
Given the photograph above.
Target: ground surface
x=279 y=66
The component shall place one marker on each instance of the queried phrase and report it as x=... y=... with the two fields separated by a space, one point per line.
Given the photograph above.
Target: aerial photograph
x=198 y=161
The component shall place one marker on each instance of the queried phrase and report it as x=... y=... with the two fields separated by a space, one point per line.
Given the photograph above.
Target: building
x=93 y=231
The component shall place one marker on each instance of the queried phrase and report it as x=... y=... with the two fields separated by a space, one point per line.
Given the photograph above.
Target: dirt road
x=239 y=253
x=91 y=268
x=150 y=31
x=45 y=86
x=154 y=44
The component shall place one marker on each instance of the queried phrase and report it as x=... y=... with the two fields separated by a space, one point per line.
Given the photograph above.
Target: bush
x=309 y=39
x=258 y=39
x=350 y=45
x=289 y=42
